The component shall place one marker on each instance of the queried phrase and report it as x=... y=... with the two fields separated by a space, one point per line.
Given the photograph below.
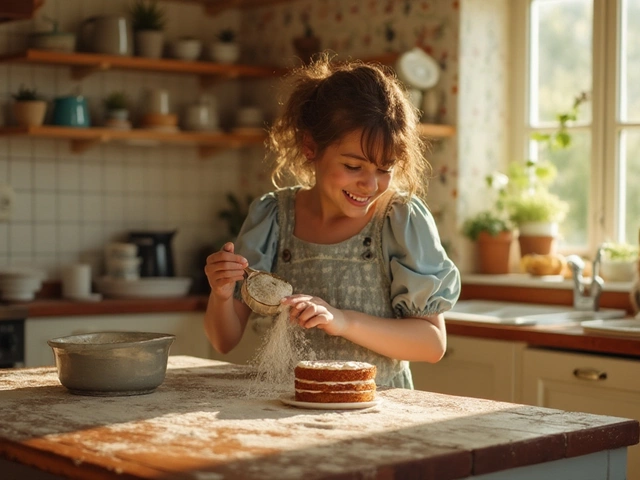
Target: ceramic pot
x=71 y=112
x=149 y=43
x=493 y=252
x=536 y=244
x=30 y=113
x=110 y=34
x=225 y=52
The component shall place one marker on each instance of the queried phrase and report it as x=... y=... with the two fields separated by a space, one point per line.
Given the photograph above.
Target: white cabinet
x=473 y=367
x=587 y=383
x=246 y=350
x=186 y=326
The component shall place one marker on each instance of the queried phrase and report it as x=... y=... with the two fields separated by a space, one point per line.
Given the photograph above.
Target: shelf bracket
x=81 y=146
x=209 y=151
x=78 y=73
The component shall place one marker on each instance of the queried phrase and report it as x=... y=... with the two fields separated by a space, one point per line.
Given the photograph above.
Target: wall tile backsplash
x=69 y=205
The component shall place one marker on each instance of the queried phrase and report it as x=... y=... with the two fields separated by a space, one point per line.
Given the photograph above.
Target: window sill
x=524 y=280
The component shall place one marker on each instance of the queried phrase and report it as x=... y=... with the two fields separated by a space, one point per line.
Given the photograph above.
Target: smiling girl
x=371 y=279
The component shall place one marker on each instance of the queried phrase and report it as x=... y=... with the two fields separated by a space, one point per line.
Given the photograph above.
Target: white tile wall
x=68 y=206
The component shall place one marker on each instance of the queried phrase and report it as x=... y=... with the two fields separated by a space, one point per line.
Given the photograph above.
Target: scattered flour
x=284 y=346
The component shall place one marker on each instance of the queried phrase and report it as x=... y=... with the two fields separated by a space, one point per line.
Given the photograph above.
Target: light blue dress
x=395 y=267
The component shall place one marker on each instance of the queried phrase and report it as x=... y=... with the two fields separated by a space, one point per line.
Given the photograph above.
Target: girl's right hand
x=223 y=270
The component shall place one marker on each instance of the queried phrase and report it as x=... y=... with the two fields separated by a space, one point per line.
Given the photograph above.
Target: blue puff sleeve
x=258 y=237
x=424 y=281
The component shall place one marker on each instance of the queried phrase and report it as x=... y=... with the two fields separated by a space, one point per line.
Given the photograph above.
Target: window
x=568 y=47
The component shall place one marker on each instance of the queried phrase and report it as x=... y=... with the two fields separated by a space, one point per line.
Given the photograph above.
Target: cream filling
x=333 y=393
x=333 y=365
x=352 y=382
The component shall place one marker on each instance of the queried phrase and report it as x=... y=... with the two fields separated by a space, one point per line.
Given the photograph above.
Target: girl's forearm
x=421 y=339
x=224 y=322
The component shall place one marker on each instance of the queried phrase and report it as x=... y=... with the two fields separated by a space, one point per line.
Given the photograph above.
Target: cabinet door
x=473 y=367
x=585 y=383
x=186 y=326
x=246 y=350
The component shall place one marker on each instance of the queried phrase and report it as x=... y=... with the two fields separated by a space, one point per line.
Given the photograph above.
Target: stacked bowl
x=20 y=284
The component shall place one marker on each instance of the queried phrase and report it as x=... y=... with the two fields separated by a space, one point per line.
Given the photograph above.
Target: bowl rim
x=67 y=343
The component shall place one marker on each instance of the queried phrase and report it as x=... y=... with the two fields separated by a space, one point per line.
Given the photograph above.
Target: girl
x=362 y=251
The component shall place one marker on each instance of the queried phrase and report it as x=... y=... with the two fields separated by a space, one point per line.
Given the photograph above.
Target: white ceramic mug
x=158 y=101
x=76 y=281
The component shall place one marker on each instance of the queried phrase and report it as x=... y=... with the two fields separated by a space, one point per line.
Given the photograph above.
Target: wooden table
x=202 y=424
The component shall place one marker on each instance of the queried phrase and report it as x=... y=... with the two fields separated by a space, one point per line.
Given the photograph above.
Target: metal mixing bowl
x=112 y=363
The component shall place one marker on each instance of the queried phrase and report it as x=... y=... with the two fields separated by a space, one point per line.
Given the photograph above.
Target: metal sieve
x=256 y=304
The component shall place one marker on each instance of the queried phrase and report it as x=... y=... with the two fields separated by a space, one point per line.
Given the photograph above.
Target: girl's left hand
x=309 y=312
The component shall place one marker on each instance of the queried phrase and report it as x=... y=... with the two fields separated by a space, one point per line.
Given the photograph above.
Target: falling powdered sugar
x=284 y=346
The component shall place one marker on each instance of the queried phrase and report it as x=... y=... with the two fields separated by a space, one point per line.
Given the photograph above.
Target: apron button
x=367 y=255
x=286 y=255
x=367 y=241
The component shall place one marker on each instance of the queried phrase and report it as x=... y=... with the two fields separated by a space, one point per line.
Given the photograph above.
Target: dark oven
x=12 y=336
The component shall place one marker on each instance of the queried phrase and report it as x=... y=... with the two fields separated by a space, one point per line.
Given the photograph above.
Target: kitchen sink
x=511 y=313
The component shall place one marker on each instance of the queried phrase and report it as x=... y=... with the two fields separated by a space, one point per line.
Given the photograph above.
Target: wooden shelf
x=214 y=7
x=84 y=138
x=433 y=130
x=83 y=64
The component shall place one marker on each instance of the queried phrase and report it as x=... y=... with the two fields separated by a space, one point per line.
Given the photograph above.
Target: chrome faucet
x=583 y=300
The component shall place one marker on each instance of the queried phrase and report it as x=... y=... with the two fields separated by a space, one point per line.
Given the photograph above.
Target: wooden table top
x=203 y=422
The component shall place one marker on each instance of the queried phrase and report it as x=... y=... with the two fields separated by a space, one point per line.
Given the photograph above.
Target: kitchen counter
x=202 y=424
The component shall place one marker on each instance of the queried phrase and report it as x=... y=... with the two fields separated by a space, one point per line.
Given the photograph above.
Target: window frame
x=605 y=128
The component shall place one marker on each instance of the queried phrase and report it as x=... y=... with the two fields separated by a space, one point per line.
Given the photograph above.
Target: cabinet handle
x=590 y=374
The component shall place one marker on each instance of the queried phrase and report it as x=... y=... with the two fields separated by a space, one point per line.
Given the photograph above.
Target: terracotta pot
x=536 y=244
x=493 y=252
x=30 y=113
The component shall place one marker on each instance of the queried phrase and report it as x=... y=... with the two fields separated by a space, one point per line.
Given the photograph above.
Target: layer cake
x=331 y=381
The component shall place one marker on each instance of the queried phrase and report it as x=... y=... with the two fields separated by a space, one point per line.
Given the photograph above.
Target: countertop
x=203 y=423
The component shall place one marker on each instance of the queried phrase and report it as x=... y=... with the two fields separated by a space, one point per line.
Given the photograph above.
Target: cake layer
x=334 y=371
x=339 y=397
x=354 y=386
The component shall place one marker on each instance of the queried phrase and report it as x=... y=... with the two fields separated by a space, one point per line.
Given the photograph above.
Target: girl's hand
x=309 y=312
x=223 y=270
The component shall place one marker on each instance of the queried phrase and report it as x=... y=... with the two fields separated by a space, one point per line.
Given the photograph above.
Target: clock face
x=417 y=69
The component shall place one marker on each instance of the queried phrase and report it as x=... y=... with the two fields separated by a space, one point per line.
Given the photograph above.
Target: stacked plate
x=20 y=284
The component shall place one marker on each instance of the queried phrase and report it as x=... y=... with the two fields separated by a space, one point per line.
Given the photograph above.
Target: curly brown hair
x=329 y=100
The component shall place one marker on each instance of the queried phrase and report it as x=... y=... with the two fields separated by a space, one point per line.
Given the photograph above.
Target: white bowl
x=20 y=284
x=187 y=49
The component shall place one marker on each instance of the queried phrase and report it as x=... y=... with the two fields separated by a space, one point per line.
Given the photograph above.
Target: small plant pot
x=225 y=52
x=618 y=270
x=536 y=244
x=118 y=114
x=493 y=252
x=30 y=113
x=149 y=43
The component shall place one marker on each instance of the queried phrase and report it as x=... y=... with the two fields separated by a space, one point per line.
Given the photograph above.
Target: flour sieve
x=262 y=291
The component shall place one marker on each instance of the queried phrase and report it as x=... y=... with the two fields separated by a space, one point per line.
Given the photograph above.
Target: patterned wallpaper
x=467 y=38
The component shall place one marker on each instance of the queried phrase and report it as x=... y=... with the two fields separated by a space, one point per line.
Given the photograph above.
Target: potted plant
x=618 y=262
x=148 y=21
x=116 y=105
x=29 y=109
x=225 y=49
x=525 y=194
x=493 y=235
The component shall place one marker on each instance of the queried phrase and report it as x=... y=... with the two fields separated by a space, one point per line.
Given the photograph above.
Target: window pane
x=630 y=148
x=629 y=61
x=561 y=57
x=572 y=185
